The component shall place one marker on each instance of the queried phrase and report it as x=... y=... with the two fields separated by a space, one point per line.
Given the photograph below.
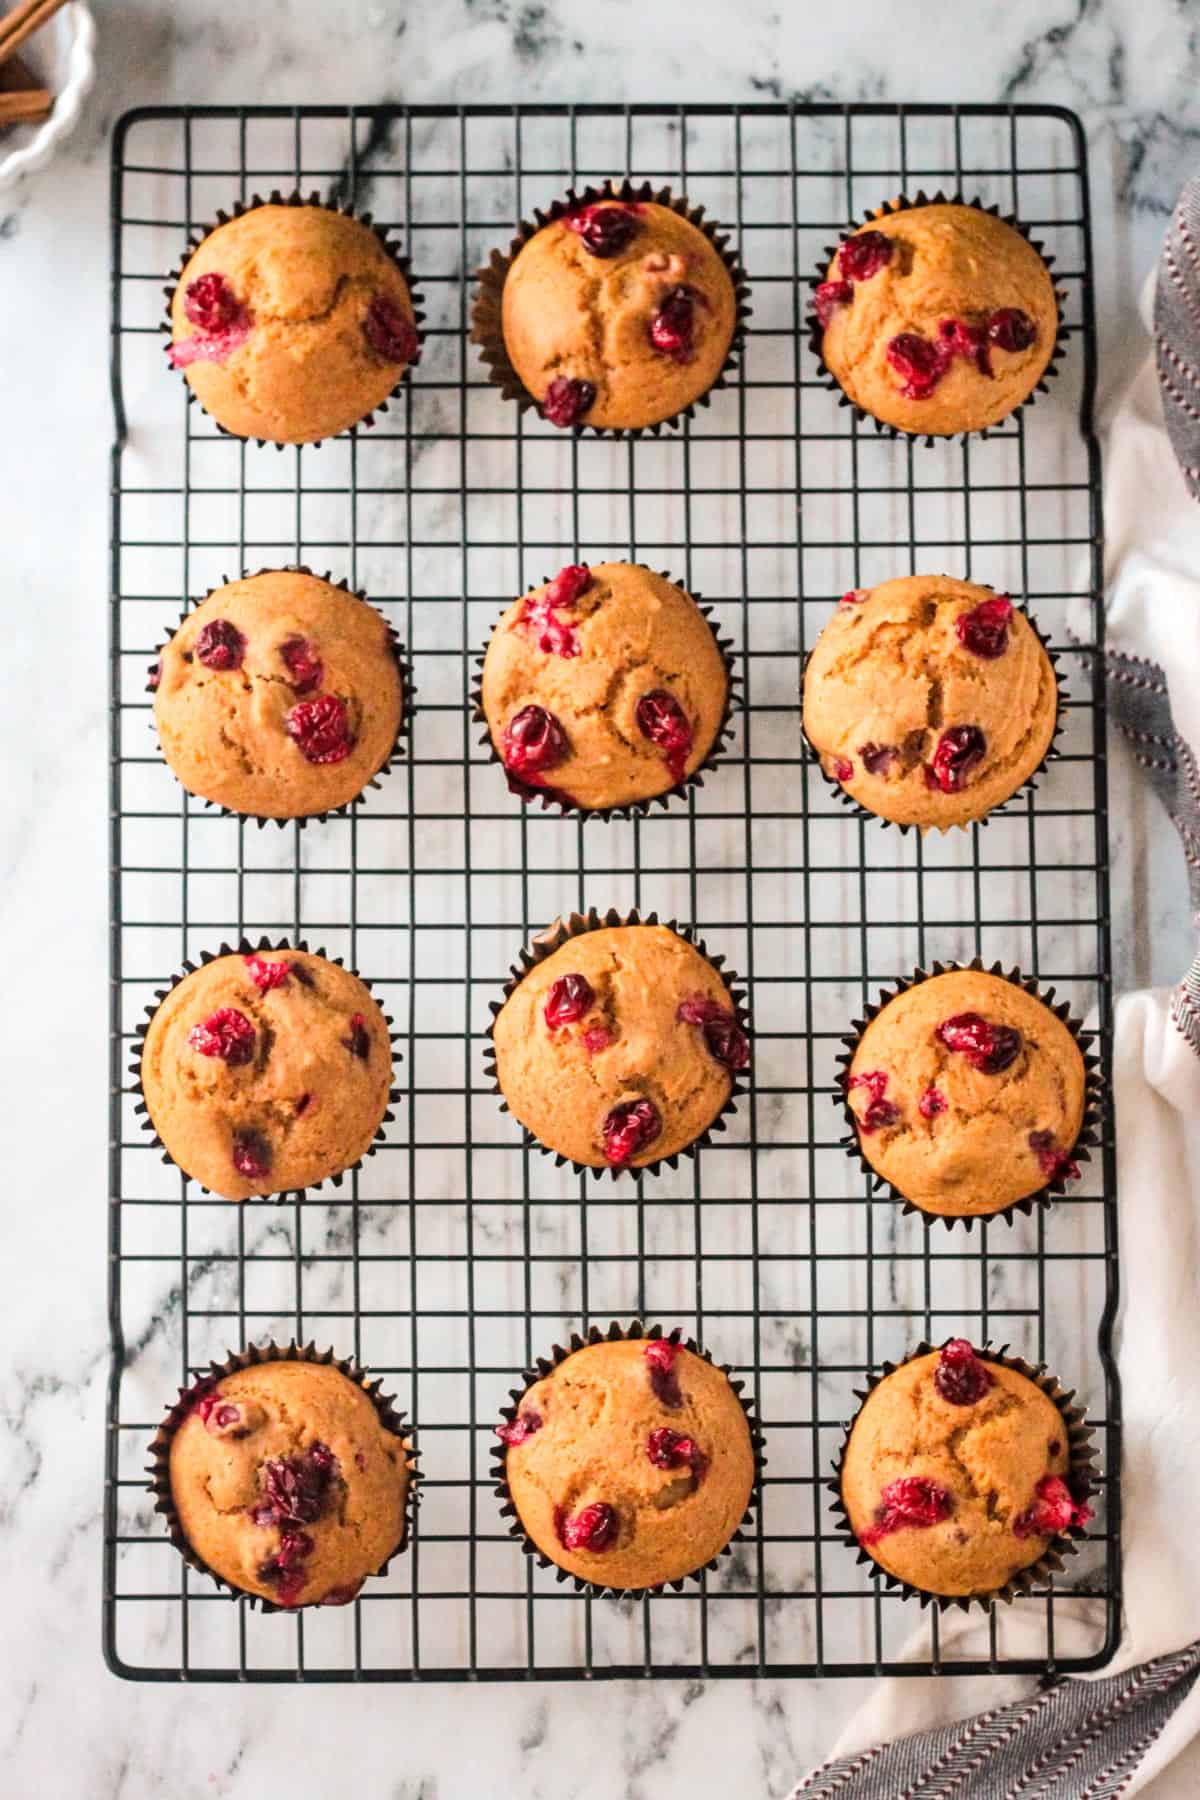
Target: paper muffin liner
x=552 y=939
x=244 y=947
x=1081 y=1478
x=159 y=1471
x=816 y=331
x=276 y=198
x=487 y=330
x=408 y=695
x=630 y=809
x=542 y=1367
x=1089 y=1136
x=1028 y=786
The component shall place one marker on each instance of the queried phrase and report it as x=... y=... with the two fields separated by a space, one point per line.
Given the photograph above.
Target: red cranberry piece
x=220 y=645
x=984 y=630
x=878 y=758
x=602 y=230
x=227 y=1033
x=389 y=331
x=628 y=1128
x=660 y=1355
x=522 y=1427
x=570 y=997
x=661 y=719
x=251 y=1155
x=864 y=254
x=568 y=584
x=284 y=1570
x=726 y=1040
x=932 y=1103
x=669 y=1449
x=911 y=1500
x=958 y=751
x=920 y=363
x=555 y=636
x=303 y=664
x=597 y=1038
x=567 y=400
x=960 y=339
x=533 y=741
x=210 y=304
x=1054 y=1509
x=879 y=1112
x=296 y=1489
x=217 y=1415
x=321 y=729
x=843 y=769
x=990 y=1048
x=828 y=297
x=1055 y=1164
x=594 y=1527
x=854 y=596
x=960 y=1377
x=1011 y=329
x=267 y=975
x=358 y=1039
x=673 y=325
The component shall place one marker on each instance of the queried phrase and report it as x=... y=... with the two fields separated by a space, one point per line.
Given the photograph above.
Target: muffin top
x=930 y=700
x=619 y=314
x=954 y=1473
x=937 y=319
x=969 y=1094
x=603 y=686
x=620 y=1047
x=631 y=1463
x=279 y=696
x=265 y=1073
x=287 y=1483
x=291 y=323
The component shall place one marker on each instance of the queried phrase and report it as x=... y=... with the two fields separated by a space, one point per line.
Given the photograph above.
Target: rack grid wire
x=458 y=1254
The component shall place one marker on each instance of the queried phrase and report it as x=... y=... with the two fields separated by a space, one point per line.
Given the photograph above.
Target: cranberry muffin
x=267 y=1072
x=619 y=314
x=286 y=1482
x=930 y=700
x=603 y=687
x=619 y=1048
x=280 y=696
x=631 y=1463
x=937 y=318
x=291 y=323
x=956 y=1475
x=968 y=1094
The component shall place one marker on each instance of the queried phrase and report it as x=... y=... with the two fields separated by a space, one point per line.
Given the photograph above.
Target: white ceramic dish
x=62 y=56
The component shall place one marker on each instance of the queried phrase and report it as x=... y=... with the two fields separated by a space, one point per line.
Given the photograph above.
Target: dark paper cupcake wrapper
x=1093 y=1102
x=245 y=948
x=552 y=939
x=543 y=1366
x=487 y=331
x=275 y=198
x=1081 y=1478
x=816 y=331
x=158 y=1468
x=630 y=809
x=408 y=695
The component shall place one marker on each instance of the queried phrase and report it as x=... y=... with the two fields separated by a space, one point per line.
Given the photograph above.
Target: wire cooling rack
x=457 y=1255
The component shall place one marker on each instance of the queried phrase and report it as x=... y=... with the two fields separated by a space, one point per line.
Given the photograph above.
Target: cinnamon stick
x=25 y=105
x=25 y=18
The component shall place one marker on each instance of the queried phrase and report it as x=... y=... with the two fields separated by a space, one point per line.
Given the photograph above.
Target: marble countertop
x=1132 y=70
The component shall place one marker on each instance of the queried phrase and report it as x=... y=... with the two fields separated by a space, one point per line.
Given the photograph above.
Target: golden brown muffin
x=620 y=1048
x=954 y=1474
x=279 y=696
x=631 y=1463
x=937 y=319
x=604 y=686
x=287 y=1483
x=969 y=1094
x=619 y=314
x=265 y=1073
x=291 y=323
x=930 y=700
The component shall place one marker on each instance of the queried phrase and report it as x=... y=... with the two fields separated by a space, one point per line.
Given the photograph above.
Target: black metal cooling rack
x=456 y=1255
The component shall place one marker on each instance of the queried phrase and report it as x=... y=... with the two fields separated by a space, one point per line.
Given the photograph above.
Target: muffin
x=291 y=323
x=603 y=687
x=264 y=1073
x=968 y=1094
x=286 y=1482
x=618 y=313
x=620 y=1048
x=280 y=696
x=630 y=1463
x=930 y=700
x=937 y=318
x=957 y=1473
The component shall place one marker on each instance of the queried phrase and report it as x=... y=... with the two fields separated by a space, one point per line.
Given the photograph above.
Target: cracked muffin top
x=619 y=314
x=937 y=319
x=603 y=687
x=279 y=696
x=955 y=1474
x=288 y=1484
x=291 y=323
x=630 y=1463
x=619 y=1048
x=968 y=1094
x=265 y=1073
x=930 y=700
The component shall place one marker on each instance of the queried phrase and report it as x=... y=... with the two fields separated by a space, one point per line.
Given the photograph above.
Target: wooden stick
x=25 y=18
x=27 y=104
